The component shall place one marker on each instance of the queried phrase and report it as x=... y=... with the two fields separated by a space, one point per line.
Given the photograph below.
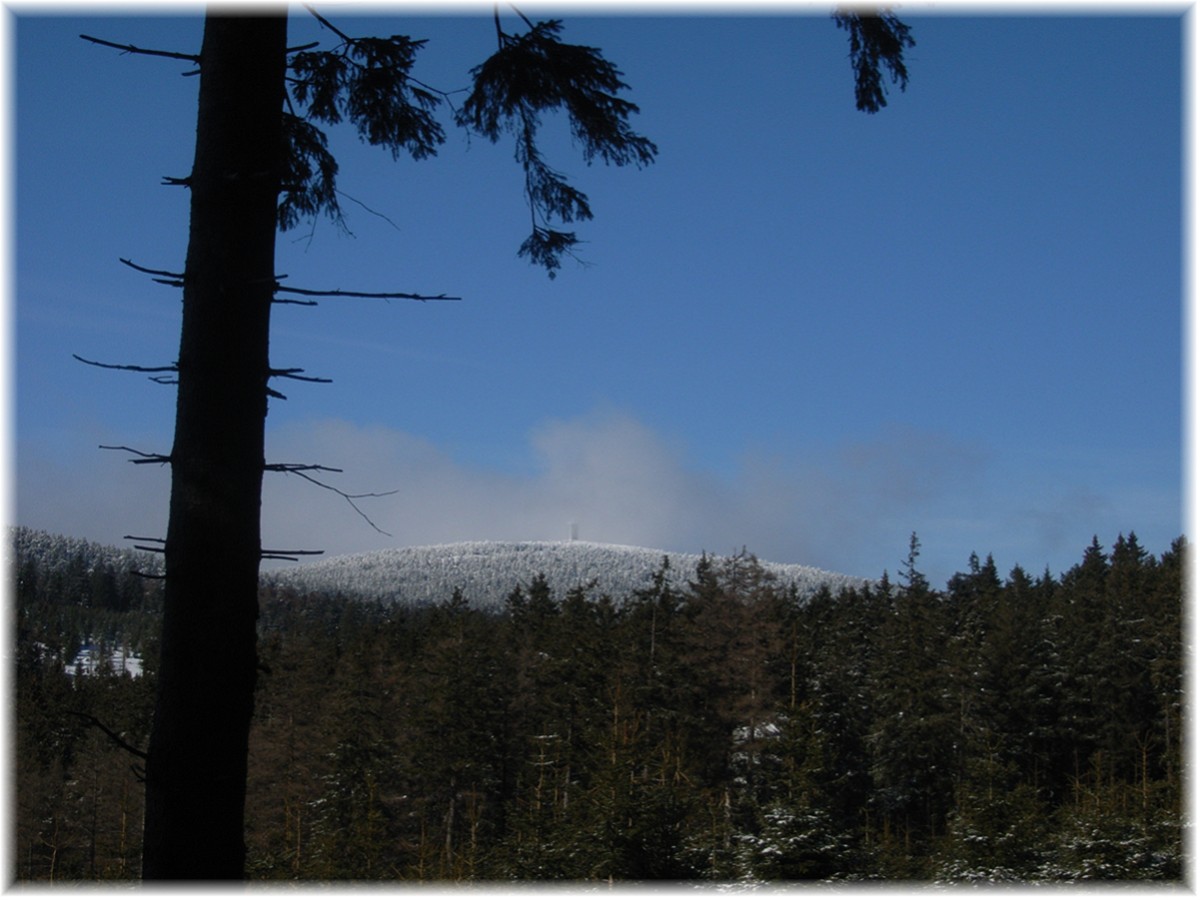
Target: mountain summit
x=487 y=571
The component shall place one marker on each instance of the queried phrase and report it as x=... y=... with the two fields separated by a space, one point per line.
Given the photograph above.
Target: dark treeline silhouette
x=1011 y=728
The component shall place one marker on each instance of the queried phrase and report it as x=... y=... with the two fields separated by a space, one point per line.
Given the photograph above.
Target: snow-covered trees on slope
x=57 y=554
x=485 y=571
x=83 y=605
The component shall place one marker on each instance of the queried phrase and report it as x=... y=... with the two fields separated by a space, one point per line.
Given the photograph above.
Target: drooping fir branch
x=877 y=39
x=370 y=82
x=533 y=73
x=367 y=81
x=309 y=180
x=348 y=42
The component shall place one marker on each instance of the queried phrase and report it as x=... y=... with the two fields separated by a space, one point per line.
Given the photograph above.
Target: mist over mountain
x=487 y=571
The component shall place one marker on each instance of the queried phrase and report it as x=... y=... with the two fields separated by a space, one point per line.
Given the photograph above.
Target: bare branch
x=349 y=498
x=524 y=18
x=368 y=209
x=175 y=275
x=124 y=368
x=291 y=555
x=145 y=458
x=129 y=48
x=279 y=278
x=316 y=15
x=112 y=735
x=371 y=296
x=295 y=376
x=499 y=31
x=298 y=467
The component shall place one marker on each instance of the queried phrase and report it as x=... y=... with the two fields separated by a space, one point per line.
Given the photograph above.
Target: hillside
x=61 y=554
x=731 y=734
x=487 y=571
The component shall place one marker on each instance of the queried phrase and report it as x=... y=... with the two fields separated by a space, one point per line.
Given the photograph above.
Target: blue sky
x=805 y=330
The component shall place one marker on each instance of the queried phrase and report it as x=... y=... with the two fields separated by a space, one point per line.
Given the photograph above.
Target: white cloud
x=621 y=482
x=612 y=476
x=847 y=507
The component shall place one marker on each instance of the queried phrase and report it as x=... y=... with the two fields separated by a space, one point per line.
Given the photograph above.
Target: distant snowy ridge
x=57 y=553
x=487 y=571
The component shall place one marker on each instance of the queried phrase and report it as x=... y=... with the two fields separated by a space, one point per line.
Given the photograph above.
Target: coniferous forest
x=1004 y=728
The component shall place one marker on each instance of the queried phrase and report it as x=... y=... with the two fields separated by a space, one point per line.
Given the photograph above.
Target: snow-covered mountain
x=487 y=571
x=60 y=553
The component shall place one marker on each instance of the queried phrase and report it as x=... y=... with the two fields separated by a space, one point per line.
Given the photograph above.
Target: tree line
x=1011 y=728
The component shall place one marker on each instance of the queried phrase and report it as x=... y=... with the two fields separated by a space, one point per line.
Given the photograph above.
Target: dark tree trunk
x=196 y=766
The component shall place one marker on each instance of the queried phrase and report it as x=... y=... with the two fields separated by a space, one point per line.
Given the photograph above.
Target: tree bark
x=196 y=761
